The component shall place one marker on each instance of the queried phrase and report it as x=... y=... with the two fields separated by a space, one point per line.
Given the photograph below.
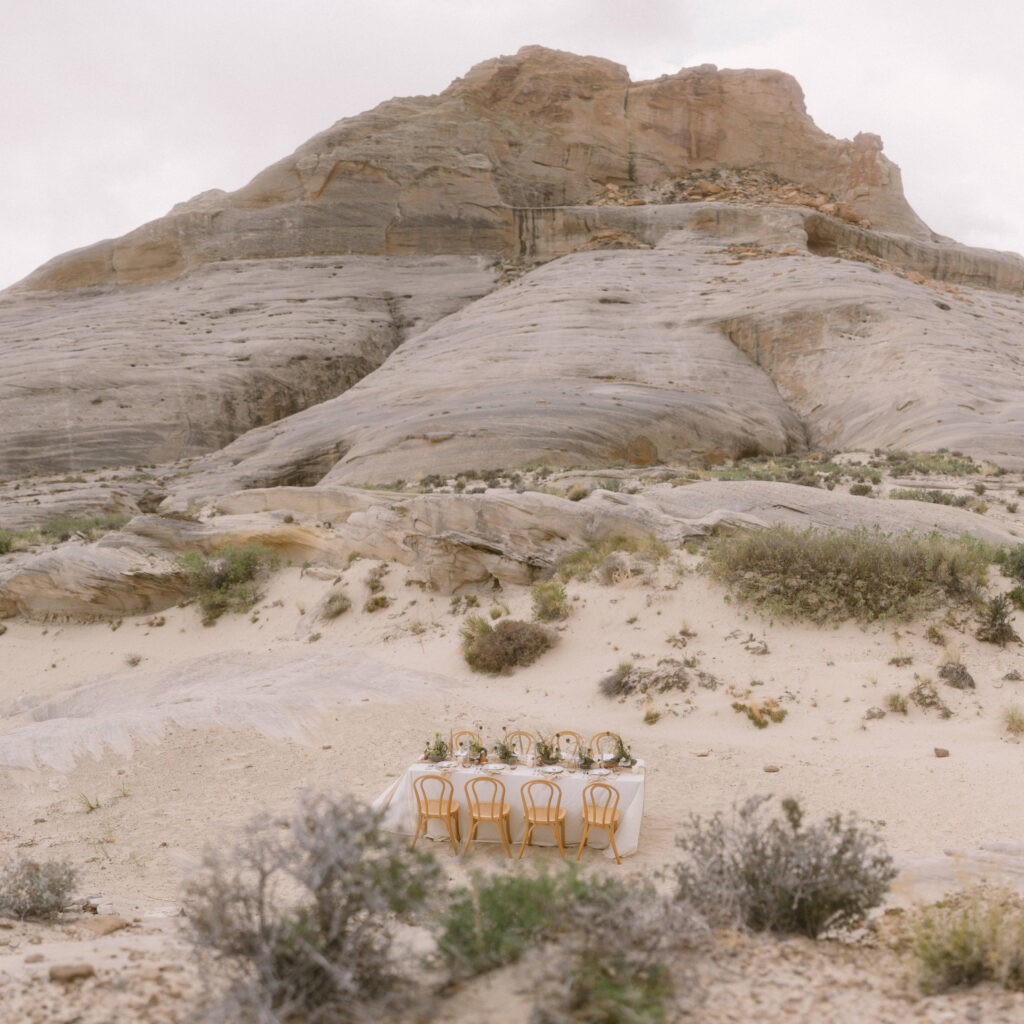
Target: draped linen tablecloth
x=398 y=802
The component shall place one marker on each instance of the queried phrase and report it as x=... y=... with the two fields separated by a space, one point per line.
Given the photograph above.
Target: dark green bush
x=31 y=888
x=996 y=621
x=860 y=490
x=775 y=874
x=861 y=574
x=502 y=647
x=1012 y=562
x=303 y=910
x=229 y=580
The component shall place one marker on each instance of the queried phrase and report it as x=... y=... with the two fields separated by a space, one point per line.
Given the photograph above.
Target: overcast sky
x=111 y=111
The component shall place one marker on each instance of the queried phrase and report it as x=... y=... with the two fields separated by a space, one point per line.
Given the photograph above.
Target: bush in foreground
x=30 y=888
x=550 y=602
x=229 y=580
x=861 y=574
x=776 y=874
x=975 y=935
x=500 y=648
x=304 y=910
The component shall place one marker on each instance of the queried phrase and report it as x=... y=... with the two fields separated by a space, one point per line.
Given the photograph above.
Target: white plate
x=442 y=764
x=600 y=771
x=552 y=769
x=495 y=767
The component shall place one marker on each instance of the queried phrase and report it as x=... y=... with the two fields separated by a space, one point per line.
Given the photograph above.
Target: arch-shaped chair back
x=521 y=742
x=568 y=742
x=604 y=745
x=435 y=799
x=462 y=739
x=600 y=810
x=486 y=802
x=542 y=805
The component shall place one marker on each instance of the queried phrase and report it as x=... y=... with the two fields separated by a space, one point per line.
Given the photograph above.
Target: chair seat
x=546 y=816
x=488 y=811
x=436 y=808
x=602 y=817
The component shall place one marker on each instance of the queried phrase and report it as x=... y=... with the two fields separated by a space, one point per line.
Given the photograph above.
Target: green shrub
x=61 y=527
x=778 y=875
x=975 y=935
x=303 y=911
x=376 y=603
x=504 y=646
x=935 y=497
x=1012 y=562
x=860 y=490
x=996 y=622
x=580 y=564
x=229 y=580
x=550 y=602
x=31 y=888
x=862 y=574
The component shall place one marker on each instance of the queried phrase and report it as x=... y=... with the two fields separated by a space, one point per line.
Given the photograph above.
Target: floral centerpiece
x=547 y=750
x=505 y=753
x=436 y=749
x=477 y=752
x=584 y=759
x=622 y=756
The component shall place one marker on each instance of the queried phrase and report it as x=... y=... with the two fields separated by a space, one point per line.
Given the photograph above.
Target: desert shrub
x=1016 y=596
x=996 y=621
x=577 y=492
x=760 y=712
x=927 y=698
x=6 y=541
x=502 y=647
x=303 y=910
x=580 y=564
x=936 y=497
x=550 y=602
x=860 y=490
x=229 y=580
x=775 y=874
x=1012 y=562
x=61 y=527
x=376 y=603
x=31 y=888
x=617 y=683
x=1013 y=719
x=861 y=574
x=336 y=602
x=975 y=935
x=897 y=703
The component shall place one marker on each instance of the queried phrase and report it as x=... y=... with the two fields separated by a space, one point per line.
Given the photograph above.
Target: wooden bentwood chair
x=604 y=745
x=568 y=742
x=521 y=742
x=462 y=739
x=546 y=810
x=485 y=800
x=600 y=810
x=434 y=800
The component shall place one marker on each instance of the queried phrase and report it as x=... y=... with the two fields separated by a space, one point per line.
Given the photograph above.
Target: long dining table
x=398 y=802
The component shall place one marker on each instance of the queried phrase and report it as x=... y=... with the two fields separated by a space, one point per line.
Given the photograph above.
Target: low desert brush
x=861 y=574
x=972 y=936
x=228 y=580
x=37 y=889
x=504 y=646
x=550 y=602
x=582 y=563
x=1013 y=719
x=778 y=874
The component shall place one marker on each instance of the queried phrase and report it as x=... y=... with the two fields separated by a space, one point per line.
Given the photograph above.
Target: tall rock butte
x=451 y=173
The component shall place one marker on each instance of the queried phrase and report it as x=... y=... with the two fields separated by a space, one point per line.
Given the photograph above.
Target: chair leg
x=416 y=835
x=583 y=841
x=469 y=837
x=559 y=831
x=502 y=823
x=526 y=839
x=451 y=835
x=615 y=849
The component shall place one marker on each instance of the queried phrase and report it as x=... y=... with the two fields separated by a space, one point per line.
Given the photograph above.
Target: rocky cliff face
x=446 y=174
x=722 y=278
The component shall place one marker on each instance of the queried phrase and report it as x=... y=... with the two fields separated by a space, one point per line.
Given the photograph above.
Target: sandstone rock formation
x=122 y=376
x=444 y=174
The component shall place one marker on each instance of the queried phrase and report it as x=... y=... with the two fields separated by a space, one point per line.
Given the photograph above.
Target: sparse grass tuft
x=996 y=622
x=1013 y=719
x=897 y=703
x=550 y=602
x=336 y=603
x=582 y=563
x=861 y=574
x=376 y=603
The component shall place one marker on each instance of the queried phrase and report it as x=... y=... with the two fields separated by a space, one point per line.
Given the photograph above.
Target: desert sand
x=126 y=748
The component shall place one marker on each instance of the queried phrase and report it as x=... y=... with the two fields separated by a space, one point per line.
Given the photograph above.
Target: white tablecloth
x=399 y=805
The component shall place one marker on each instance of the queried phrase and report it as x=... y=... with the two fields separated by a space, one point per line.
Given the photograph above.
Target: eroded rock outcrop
x=444 y=174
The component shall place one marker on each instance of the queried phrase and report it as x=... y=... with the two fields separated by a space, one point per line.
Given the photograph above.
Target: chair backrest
x=568 y=742
x=540 y=794
x=600 y=796
x=462 y=739
x=484 y=789
x=604 y=744
x=433 y=787
x=521 y=742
